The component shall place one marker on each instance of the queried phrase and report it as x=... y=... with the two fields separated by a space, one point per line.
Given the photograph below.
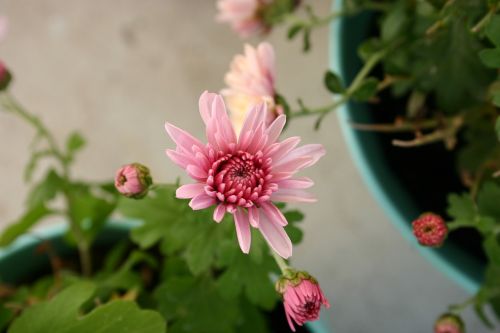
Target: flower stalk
x=10 y=104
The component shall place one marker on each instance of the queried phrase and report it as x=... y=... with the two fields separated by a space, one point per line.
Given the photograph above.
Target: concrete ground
x=116 y=70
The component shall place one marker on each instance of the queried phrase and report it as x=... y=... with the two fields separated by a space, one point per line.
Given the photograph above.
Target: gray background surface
x=116 y=70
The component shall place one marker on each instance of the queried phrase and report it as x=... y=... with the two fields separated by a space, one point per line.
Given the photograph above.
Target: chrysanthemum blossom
x=430 y=230
x=250 y=81
x=243 y=175
x=302 y=298
x=244 y=16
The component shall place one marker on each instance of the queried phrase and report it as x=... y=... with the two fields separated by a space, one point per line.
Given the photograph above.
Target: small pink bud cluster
x=302 y=297
x=449 y=323
x=133 y=180
x=430 y=230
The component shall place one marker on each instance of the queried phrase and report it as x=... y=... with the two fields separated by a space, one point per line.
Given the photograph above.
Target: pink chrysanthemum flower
x=243 y=175
x=250 y=81
x=302 y=297
x=244 y=16
x=430 y=230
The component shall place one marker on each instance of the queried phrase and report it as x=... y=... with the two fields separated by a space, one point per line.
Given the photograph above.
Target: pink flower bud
x=302 y=297
x=430 y=230
x=449 y=323
x=5 y=76
x=133 y=180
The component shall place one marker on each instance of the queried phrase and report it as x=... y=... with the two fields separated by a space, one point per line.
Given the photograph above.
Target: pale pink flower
x=250 y=81
x=133 y=180
x=244 y=174
x=244 y=16
x=303 y=301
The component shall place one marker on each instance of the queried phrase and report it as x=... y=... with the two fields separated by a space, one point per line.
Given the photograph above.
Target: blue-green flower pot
x=345 y=36
x=20 y=263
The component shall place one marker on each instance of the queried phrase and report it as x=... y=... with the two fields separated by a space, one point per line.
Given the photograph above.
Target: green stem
x=10 y=104
x=458 y=308
x=280 y=262
x=480 y=25
x=355 y=84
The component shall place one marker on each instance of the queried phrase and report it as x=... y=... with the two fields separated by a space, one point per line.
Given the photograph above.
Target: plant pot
x=370 y=153
x=19 y=263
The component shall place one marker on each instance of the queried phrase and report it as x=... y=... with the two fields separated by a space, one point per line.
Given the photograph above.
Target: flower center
x=240 y=179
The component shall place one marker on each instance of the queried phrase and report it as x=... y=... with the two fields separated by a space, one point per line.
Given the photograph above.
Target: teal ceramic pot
x=19 y=261
x=365 y=147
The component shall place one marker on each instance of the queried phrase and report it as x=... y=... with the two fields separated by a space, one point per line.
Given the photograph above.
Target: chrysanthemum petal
x=253 y=216
x=219 y=212
x=189 y=191
x=314 y=151
x=182 y=138
x=243 y=230
x=292 y=195
x=273 y=213
x=275 y=235
x=295 y=183
x=201 y=201
x=274 y=130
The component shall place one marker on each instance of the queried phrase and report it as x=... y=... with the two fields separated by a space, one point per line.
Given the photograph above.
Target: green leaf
x=74 y=143
x=280 y=100
x=46 y=190
x=461 y=208
x=395 y=21
x=448 y=66
x=497 y=127
x=90 y=211
x=333 y=83
x=61 y=315
x=492 y=248
x=306 y=46
x=244 y=275
x=294 y=30
x=493 y=30
x=368 y=47
x=200 y=253
x=21 y=226
x=488 y=200
x=194 y=305
x=366 y=90
x=490 y=57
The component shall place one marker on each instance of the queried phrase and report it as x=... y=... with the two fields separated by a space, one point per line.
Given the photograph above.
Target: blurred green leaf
x=333 y=82
x=488 y=200
x=493 y=30
x=21 y=226
x=194 y=305
x=74 y=143
x=366 y=90
x=45 y=190
x=61 y=315
x=492 y=248
x=294 y=30
x=497 y=127
x=490 y=57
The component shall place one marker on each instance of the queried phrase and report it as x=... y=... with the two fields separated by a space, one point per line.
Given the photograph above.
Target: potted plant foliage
x=416 y=85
